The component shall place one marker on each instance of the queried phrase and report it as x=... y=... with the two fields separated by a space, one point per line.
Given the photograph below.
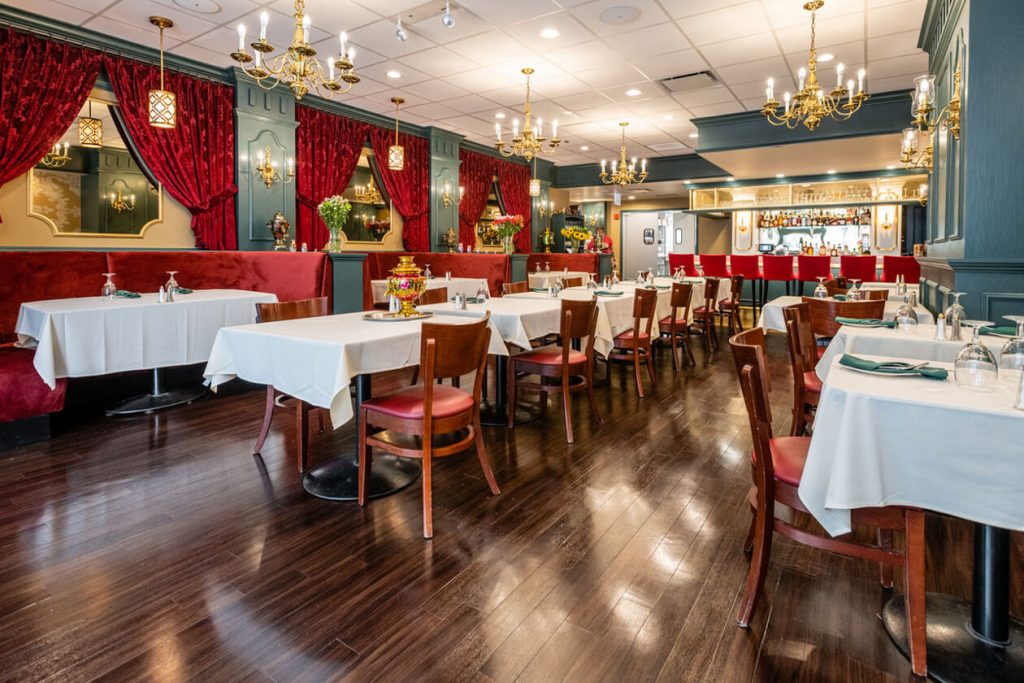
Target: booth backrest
x=289 y=275
x=37 y=275
x=583 y=263
x=492 y=267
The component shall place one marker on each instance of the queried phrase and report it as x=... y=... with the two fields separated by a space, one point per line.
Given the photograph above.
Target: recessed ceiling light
x=633 y=92
x=826 y=57
x=584 y=148
x=831 y=171
x=667 y=117
x=550 y=33
x=500 y=115
x=890 y=167
x=730 y=179
x=780 y=175
x=805 y=184
x=394 y=74
x=199 y=6
x=687 y=182
x=693 y=136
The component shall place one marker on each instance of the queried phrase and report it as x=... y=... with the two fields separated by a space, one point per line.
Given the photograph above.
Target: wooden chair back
x=803 y=351
x=748 y=352
x=515 y=287
x=572 y=282
x=292 y=310
x=875 y=294
x=645 y=306
x=710 y=294
x=682 y=293
x=454 y=350
x=836 y=286
x=736 y=291
x=579 y=320
x=823 y=313
x=438 y=295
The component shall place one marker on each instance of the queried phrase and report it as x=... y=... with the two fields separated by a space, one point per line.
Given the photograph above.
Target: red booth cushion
x=22 y=393
x=583 y=263
x=408 y=403
x=551 y=355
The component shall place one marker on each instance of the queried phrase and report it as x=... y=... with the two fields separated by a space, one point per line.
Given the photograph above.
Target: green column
x=444 y=167
x=347 y=289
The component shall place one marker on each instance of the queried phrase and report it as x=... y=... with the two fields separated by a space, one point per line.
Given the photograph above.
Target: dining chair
x=777 y=469
x=835 y=286
x=824 y=312
x=748 y=266
x=730 y=306
x=634 y=345
x=438 y=295
x=704 y=315
x=431 y=420
x=803 y=358
x=863 y=268
x=676 y=325
x=572 y=282
x=288 y=310
x=573 y=370
x=515 y=287
x=714 y=265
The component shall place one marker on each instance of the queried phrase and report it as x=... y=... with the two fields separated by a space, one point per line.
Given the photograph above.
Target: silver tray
x=379 y=316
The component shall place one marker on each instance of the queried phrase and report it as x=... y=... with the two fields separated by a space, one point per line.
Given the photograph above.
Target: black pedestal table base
x=496 y=414
x=955 y=654
x=158 y=398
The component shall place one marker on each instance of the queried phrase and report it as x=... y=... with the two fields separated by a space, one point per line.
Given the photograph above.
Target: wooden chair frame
x=731 y=307
x=823 y=313
x=705 y=319
x=677 y=327
x=637 y=351
x=515 y=287
x=803 y=357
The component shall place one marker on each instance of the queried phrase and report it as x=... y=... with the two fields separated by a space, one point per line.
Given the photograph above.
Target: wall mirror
x=370 y=218
x=91 y=182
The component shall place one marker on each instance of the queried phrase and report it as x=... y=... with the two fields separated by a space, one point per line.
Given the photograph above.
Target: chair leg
x=913 y=578
x=428 y=503
x=364 y=459
x=650 y=367
x=799 y=421
x=593 y=399
x=268 y=415
x=636 y=373
x=689 y=352
x=763 y=527
x=675 y=350
x=512 y=393
x=302 y=433
x=415 y=376
x=481 y=453
x=567 y=406
x=748 y=544
x=885 y=569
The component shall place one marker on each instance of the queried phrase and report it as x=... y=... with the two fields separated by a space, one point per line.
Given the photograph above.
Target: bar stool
x=749 y=266
x=714 y=265
x=684 y=261
x=810 y=268
x=907 y=266
x=863 y=268
x=777 y=269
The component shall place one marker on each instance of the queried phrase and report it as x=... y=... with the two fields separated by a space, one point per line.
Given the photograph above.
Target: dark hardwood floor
x=158 y=549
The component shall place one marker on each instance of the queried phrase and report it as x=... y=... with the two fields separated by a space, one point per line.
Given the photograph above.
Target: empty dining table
x=773 y=319
x=548 y=278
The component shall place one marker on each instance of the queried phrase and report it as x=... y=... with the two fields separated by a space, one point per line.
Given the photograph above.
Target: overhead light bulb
x=400 y=32
x=447 y=19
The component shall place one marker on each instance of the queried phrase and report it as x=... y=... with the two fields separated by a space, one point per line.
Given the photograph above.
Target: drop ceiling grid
x=460 y=78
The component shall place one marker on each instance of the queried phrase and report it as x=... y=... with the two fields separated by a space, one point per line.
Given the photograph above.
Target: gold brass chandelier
x=56 y=158
x=368 y=194
x=923 y=124
x=267 y=170
x=297 y=67
x=531 y=142
x=812 y=103
x=623 y=173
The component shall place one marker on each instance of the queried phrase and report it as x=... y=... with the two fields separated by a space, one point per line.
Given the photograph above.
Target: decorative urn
x=406 y=283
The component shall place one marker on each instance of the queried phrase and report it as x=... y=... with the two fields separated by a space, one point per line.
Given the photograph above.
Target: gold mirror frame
x=383 y=238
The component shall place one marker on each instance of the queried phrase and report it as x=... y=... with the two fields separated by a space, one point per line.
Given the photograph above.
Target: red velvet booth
x=582 y=263
x=858 y=267
x=907 y=266
x=39 y=275
x=684 y=261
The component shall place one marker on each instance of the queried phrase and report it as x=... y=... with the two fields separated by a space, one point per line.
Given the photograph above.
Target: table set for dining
x=772 y=315
x=467 y=286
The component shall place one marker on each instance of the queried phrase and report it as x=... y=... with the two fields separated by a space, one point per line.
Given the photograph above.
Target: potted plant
x=507 y=227
x=334 y=212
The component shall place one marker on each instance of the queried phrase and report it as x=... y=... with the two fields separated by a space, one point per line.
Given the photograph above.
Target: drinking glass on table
x=109 y=290
x=547 y=266
x=975 y=366
x=820 y=292
x=1011 y=358
x=854 y=294
x=482 y=295
x=906 y=316
x=955 y=314
x=426 y=272
x=591 y=282
x=172 y=284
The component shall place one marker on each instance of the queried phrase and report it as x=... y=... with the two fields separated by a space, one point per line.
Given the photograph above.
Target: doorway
x=649 y=236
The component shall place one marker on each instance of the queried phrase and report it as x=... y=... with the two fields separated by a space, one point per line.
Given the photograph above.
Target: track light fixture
x=400 y=32
x=447 y=19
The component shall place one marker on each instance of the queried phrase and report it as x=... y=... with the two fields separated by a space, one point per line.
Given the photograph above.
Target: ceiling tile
x=586 y=100
x=893 y=45
x=782 y=13
x=133 y=32
x=187 y=25
x=333 y=16
x=610 y=76
x=687 y=8
x=584 y=56
x=379 y=72
x=202 y=54
x=911 y=65
x=650 y=41
x=388 y=8
x=761 y=46
x=91 y=6
x=757 y=70
x=571 y=31
x=905 y=16
x=466 y=25
x=735 y=21
x=835 y=31
x=490 y=48
x=716 y=95
x=717 y=109
x=381 y=36
x=54 y=10
x=432 y=111
x=591 y=15
x=433 y=89
x=437 y=61
x=477 y=80
x=671 y=64
x=499 y=13
x=474 y=104
x=654 y=105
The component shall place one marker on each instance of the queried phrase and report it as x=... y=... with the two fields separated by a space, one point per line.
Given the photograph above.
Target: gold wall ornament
x=267 y=171
x=623 y=173
x=813 y=103
x=446 y=197
x=56 y=157
x=163 y=104
x=913 y=154
x=531 y=142
x=119 y=204
x=368 y=194
x=297 y=67
x=396 y=153
x=90 y=130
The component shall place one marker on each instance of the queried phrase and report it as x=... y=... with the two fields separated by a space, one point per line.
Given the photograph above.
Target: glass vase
x=333 y=245
x=507 y=245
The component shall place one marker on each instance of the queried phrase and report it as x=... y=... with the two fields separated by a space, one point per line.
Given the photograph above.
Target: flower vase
x=333 y=245
x=508 y=246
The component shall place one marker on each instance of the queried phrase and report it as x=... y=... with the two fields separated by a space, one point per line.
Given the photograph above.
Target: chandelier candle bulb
x=241 y=37
x=849 y=86
x=330 y=68
x=342 y=39
x=515 y=128
x=305 y=29
x=860 y=81
x=803 y=75
x=839 y=75
x=497 y=131
x=770 y=91
x=264 y=21
x=554 y=129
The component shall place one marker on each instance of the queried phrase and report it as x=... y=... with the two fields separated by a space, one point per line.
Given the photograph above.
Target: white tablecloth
x=772 y=318
x=918 y=344
x=96 y=336
x=918 y=442
x=466 y=285
x=315 y=359
x=518 y=318
x=545 y=279
x=891 y=286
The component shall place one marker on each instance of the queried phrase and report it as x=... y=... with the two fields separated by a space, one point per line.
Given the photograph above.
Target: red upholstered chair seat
x=789 y=453
x=408 y=403
x=778 y=268
x=699 y=311
x=551 y=355
x=821 y=351
x=23 y=393
x=811 y=382
x=628 y=338
x=665 y=323
x=726 y=304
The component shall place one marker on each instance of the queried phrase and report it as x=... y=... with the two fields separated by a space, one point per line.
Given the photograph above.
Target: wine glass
x=537 y=269
x=854 y=293
x=109 y=290
x=547 y=266
x=482 y=295
x=615 y=278
x=975 y=366
x=591 y=282
x=172 y=284
x=820 y=292
x=426 y=272
x=1011 y=358
x=906 y=316
x=955 y=314
x=607 y=281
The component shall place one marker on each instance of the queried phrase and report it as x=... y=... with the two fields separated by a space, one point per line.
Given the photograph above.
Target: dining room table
x=94 y=335
x=542 y=279
x=319 y=361
x=908 y=440
x=772 y=318
x=467 y=286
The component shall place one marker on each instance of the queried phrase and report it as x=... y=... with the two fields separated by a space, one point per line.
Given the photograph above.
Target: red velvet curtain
x=409 y=188
x=514 y=180
x=328 y=148
x=43 y=84
x=476 y=175
x=195 y=161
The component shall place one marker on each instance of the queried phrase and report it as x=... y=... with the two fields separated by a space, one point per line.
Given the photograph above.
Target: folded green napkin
x=539 y=289
x=182 y=290
x=663 y=286
x=605 y=292
x=892 y=367
x=839 y=297
x=1005 y=330
x=865 y=322
x=125 y=294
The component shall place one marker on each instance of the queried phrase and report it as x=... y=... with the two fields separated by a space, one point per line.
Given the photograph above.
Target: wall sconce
x=163 y=104
x=546 y=209
x=56 y=158
x=922 y=107
x=118 y=203
x=267 y=169
x=446 y=197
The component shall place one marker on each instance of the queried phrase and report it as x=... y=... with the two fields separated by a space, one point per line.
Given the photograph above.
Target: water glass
x=482 y=295
x=854 y=293
x=1011 y=358
x=906 y=316
x=426 y=272
x=172 y=285
x=955 y=315
x=975 y=366
x=820 y=292
x=607 y=281
x=109 y=290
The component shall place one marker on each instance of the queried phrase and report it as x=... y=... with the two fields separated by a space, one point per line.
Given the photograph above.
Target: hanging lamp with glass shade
x=90 y=130
x=534 y=181
x=396 y=153
x=163 y=104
